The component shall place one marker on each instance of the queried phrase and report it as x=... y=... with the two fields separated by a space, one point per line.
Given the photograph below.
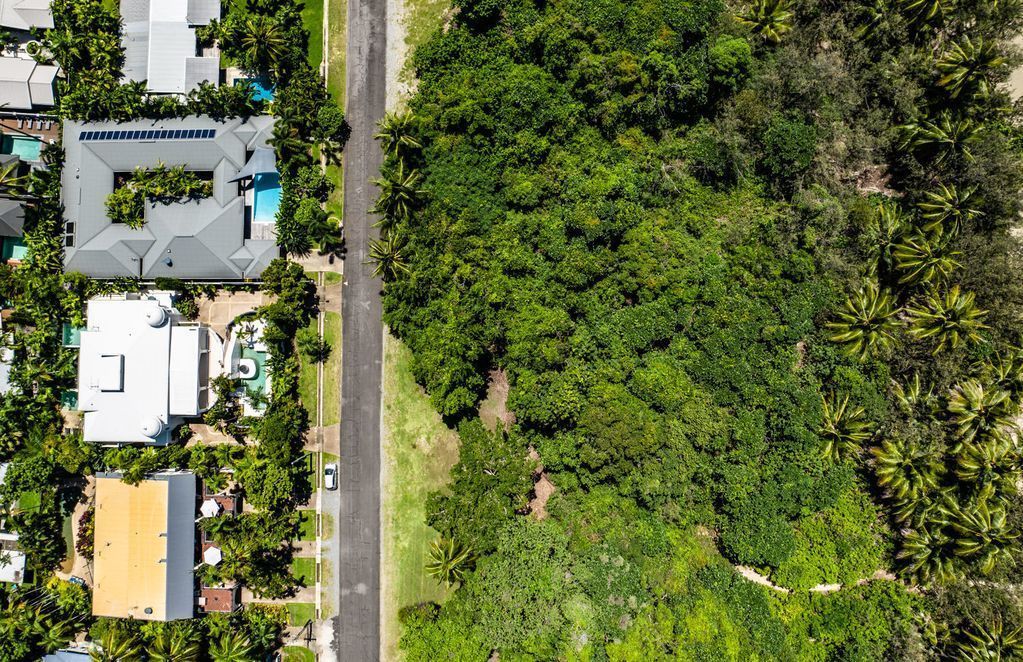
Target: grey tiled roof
x=160 y=44
x=202 y=239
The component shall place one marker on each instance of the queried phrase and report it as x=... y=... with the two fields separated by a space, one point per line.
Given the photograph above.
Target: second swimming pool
x=266 y=197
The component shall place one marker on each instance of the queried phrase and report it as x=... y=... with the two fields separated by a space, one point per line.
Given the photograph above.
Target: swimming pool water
x=26 y=148
x=261 y=91
x=266 y=197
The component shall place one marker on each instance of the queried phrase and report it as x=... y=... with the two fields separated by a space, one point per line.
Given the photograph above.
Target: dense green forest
x=750 y=272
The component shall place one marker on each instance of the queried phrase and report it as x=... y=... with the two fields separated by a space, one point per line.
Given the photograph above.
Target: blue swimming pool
x=27 y=148
x=266 y=197
x=261 y=88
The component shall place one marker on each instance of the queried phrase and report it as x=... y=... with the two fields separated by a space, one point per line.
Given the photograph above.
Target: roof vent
x=152 y=427
x=156 y=317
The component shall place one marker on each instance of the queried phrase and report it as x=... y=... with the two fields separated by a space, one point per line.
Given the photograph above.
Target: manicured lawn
x=297 y=654
x=307 y=525
x=307 y=379
x=299 y=613
x=69 y=544
x=331 y=374
x=332 y=370
x=304 y=570
x=337 y=43
x=331 y=278
x=312 y=19
x=419 y=451
x=29 y=501
x=422 y=19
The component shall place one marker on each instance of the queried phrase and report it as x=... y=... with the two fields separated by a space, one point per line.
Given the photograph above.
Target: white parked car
x=330 y=476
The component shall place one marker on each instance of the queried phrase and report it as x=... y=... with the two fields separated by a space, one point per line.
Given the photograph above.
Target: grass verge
x=419 y=451
x=300 y=613
x=307 y=525
x=297 y=654
x=307 y=380
x=332 y=370
x=304 y=569
x=337 y=42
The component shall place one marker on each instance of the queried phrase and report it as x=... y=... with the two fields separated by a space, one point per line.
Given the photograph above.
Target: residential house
x=25 y=14
x=160 y=45
x=142 y=370
x=227 y=236
x=144 y=546
x=25 y=84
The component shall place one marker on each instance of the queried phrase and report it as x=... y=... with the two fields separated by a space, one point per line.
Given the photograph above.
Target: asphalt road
x=358 y=635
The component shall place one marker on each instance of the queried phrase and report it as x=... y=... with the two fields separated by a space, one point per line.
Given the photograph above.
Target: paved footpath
x=358 y=624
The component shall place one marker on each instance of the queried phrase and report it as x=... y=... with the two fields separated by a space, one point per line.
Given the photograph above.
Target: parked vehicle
x=330 y=476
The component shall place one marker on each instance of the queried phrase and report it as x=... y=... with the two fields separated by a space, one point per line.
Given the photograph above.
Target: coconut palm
x=1004 y=371
x=951 y=319
x=983 y=533
x=924 y=259
x=174 y=645
x=980 y=411
x=231 y=647
x=883 y=232
x=387 y=257
x=867 y=322
x=328 y=234
x=396 y=133
x=991 y=464
x=989 y=643
x=906 y=470
x=449 y=561
x=52 y=635
x=116 y=646
x=398 y=194
x=948 y=209
x=912 y=396
x=12 y=185
x=967 y=65
x=771 y=19
x=929 y=555
x=263 y=42
x=924 y=10
x=946 y=136
x=843 y=429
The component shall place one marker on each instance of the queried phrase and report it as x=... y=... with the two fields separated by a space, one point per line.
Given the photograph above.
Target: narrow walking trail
x=358 y=623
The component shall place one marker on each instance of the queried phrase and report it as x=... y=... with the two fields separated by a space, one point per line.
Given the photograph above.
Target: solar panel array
x=157 y=134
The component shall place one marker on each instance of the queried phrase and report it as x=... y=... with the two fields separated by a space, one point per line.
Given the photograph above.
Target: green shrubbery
x=161 y=184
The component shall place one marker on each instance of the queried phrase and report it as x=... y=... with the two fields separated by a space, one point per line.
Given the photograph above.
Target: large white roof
x=160 y=46
x=127 y=386
x=25 y=14
x=25 y=84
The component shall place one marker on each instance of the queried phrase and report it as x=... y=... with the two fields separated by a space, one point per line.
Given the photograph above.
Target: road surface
x=358 y=635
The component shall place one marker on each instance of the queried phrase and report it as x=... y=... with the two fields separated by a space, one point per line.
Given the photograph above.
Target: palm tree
x=991 y=464
x=979 y=411
x=929 y=555
x=951 y=319
x=883 y=231
x=12 y=185
x=771 y=19
x=967 y=65
x=983 y=533
x=449 y=561
x=328 y=234
x=843 y=429
x=398 y=194
x=395 y=133
x=174 y=645
x=905 y=469
x=924 y=10
x=948 y=208
x=263 y=42
x=946 y=136
x=989 y=643
x=923 y=259
x=386 y=256
x=52 y=635
x=911 y=396
x=231 y=647
x=116 y=646
x=866 y=322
